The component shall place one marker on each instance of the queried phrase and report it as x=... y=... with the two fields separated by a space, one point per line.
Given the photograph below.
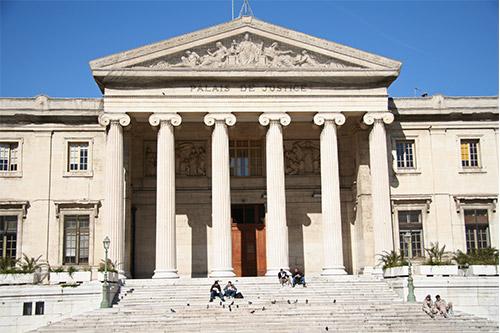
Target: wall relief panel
x=302 y=157
x=246 y=51
x=190 y=158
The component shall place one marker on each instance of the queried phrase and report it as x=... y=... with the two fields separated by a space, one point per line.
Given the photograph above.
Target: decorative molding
x=16 y=205
x=337 y=117
x=464 y=200
x=156 y=118
x=107 y=118
x=247 y=53
x=302 y=157
x=420 y=200
x=282 y=117
x=371 y=117
x=211 y=118
x=78 y=204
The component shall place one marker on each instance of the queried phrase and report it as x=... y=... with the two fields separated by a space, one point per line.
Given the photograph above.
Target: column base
x=165 y=274
x=333 y=271
x=221 y=273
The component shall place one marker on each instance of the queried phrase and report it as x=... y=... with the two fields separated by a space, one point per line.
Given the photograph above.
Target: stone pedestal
x=276 y=226
x=166 y=261
x=379 y=172
x=114 y=217
x=330 y=193
x=221 y=195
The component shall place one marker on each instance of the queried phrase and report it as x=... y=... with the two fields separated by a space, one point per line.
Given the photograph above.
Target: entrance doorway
x=248 y=240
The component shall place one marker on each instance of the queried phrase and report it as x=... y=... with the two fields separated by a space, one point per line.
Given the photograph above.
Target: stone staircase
x=342 y=304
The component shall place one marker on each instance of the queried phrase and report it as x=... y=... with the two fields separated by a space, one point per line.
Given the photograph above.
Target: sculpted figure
x=215 y=58
x=306 y=60
x=248 y=51
x=277 y=58
x=190 y=60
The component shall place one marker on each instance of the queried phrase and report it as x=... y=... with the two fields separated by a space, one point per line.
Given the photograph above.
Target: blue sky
x=448 y=47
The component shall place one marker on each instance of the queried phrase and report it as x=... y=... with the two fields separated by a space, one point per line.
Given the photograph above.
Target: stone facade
x=161 y=175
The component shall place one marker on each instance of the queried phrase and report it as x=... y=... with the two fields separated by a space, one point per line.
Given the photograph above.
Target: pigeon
x=232 y=303
x=224 y=306
x=172 y=310
x=288 y=301
x=273 y=302
x=249 y=303
x=295 y=301
x=208 y=306
x=188 y=304
x=334 y=301
x=263 y=308
x=237 y=306
x=253 y=311
x=230 y=308
x=307 y=301
x=220 y=303
x=326 y=328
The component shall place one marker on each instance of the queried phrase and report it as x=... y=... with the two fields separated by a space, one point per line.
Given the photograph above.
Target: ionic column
x=222 y=265
x=379 y=172
x=330 y=193
x=114 y=223
x=166 y=262
x=276 y=227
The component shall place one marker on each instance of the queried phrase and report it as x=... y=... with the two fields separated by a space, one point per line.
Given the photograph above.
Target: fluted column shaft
x=166 y=256
x=331 y=217
x=379 y=171
x=276 y=225
x=222 y=265
x=114 y=188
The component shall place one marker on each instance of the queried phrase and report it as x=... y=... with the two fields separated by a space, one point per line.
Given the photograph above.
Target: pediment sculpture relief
x=302 y=157
x=190 y=158
x=248 y=54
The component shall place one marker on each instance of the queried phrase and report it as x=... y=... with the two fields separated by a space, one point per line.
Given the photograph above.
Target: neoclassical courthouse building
x=241 y=149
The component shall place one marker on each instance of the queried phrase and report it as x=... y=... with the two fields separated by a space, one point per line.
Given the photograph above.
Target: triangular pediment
x=245 y=44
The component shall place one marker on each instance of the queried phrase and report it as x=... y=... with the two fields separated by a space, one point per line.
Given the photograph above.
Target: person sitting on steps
x=215 y=291
x=443 y=308
x=230 y=290
x=428 y=306
x=298 y=278
x=283 y=277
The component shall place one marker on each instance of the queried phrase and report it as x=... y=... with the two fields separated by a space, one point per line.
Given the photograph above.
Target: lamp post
x=411 y=288
x=105 y=284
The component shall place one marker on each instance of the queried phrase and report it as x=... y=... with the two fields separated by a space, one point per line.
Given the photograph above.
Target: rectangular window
x=76 y=239
x=27 y=308
x=9 y=156
x=477 y=234
x=78 y=156
x=245 y=158
x=405 y=156
x=8 y=236
x=410 y=223
x=469 y=152
x=39 y=308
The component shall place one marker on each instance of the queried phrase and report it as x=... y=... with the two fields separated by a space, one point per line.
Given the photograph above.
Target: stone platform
x=342 y=304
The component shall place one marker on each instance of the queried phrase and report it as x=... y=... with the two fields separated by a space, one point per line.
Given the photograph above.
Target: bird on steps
x=334 y=301
x=172 y=310
x=253 y=311
x=326 y=328
x=295 y=301
x=249 y=303
x=273 y=302
x=263 y=308
x=307 y=301
x=232 y=303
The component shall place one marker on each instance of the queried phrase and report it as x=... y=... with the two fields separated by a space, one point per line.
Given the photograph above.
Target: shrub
x=111 y=266
x=392 y=259
x=72 y=270
x=59 y=269
x=8 y=265
x=29 y=265
x=485 y=256
x=436 y=255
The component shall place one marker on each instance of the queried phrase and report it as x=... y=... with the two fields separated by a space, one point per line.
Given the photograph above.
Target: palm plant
x=485 y=256
x=8 y=265
x=30 y=265
x=392 y=259
x=436 y=254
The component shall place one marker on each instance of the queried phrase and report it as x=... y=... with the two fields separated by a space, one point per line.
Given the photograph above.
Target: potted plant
x=112 y=271
x=395 y=264
x=436 y=264
x=16 y=271
x=481 y=262
x=71 y=275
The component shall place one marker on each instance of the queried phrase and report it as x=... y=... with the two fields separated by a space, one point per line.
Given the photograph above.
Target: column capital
x=282 y=117
x=321 y=117
x=211 y=118
x=107 y=118
x=371 y=117
x=156 y=118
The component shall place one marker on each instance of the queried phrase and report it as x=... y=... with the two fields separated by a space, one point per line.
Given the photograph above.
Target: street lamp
x=105 y=284
x=411 y=288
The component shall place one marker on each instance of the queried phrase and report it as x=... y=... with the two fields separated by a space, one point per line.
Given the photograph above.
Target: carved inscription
x=302 y=157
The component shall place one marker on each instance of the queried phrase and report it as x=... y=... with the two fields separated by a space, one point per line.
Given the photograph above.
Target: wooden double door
x=248 y=239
